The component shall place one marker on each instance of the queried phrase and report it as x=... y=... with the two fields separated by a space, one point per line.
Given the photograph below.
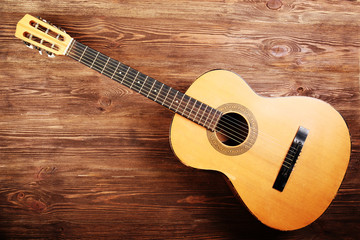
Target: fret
x=217 y=119
x=208 y=115
x=137 y=82
x=83 y=53
x=197 y=109
x=99 y=63
x=120 y=73
x=129 y=77
x=94 y=59
x=155 y=91
x=186 y=105
x=134 y=80
x=111 y=69
x=105 y=65
x=180 y=103
x=195 y=101
x=150 y=89
x=197 y=112
x=159 y=92
x=174 y=100
x=143 y=84
x=212 y=119
x=125 y=74
x=112 y=76
x=202 y=115
x=70 y=47
x=166 y=95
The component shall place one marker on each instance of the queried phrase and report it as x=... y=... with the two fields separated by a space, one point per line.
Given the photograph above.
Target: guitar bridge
x=290 y=159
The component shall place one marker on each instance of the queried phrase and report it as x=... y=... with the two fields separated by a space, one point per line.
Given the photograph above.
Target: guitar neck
x=168 y=97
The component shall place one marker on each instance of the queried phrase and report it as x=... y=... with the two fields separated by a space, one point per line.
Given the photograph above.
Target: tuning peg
x=39 y=49
x=44 y=20
x=61 y=29
x=29 y=45
x=50 y=54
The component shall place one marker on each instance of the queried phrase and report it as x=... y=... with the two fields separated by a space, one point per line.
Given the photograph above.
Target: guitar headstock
x=42 y=35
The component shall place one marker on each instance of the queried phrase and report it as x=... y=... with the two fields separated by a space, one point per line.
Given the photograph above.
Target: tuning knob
x=39 y=49
x=50 y=54
x=29 y=45
x=61 y=29
x=46 y=21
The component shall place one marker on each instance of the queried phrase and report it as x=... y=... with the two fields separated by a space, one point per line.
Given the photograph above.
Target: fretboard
x=168 y=97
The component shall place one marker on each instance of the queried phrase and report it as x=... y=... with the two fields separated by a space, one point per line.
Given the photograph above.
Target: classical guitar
x=285 y=157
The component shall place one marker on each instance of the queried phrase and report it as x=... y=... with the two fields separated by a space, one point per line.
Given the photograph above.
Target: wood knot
x=20 y=195
x=36 y=205
x=303 y=91
x=28 y=200
x=104 y=103
x=274 y=4
x=278 y=48
x=45 y=172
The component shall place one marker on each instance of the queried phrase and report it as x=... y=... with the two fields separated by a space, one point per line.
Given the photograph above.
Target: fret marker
x=120 y=73
x=176 y=101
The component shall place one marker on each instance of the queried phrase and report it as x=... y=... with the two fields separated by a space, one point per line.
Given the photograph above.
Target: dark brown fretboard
x=170 y=98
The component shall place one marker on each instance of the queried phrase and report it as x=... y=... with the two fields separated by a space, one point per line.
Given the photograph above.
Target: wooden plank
x=83 y=157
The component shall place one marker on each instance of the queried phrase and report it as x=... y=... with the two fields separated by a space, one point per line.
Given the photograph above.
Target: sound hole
x=232 y=129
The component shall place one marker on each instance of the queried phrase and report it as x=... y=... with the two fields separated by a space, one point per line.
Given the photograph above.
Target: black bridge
x=290 y=159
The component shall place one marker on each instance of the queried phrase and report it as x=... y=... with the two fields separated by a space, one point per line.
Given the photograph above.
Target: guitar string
x=227 y=133
x=159 y=92
x=88 y=63
x=144 y=86
x=149 y=87
x=245 y=132
x=288 y=161
x=103 y=67
x=180 y=105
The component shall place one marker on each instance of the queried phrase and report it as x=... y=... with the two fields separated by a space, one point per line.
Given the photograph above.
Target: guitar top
x=285 y=157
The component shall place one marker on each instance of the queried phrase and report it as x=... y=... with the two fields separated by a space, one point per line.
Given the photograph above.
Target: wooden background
x=83 y=157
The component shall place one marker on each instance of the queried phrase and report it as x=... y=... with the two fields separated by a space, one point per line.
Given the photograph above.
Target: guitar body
x=253 y=165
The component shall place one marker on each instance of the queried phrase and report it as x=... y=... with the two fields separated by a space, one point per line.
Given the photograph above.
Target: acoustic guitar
x=285 y=157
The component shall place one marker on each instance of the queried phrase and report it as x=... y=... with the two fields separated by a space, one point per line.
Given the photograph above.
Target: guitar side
x=319 y=169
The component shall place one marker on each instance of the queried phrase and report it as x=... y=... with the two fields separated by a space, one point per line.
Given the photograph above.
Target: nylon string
x=92 y=59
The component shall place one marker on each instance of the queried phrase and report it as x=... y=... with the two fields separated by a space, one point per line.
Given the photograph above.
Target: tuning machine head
x=50 y=23
x=36 y=31
x=29 y=45
x=49 y=54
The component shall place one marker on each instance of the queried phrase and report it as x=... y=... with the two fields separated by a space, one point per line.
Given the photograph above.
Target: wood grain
x=83 y=157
